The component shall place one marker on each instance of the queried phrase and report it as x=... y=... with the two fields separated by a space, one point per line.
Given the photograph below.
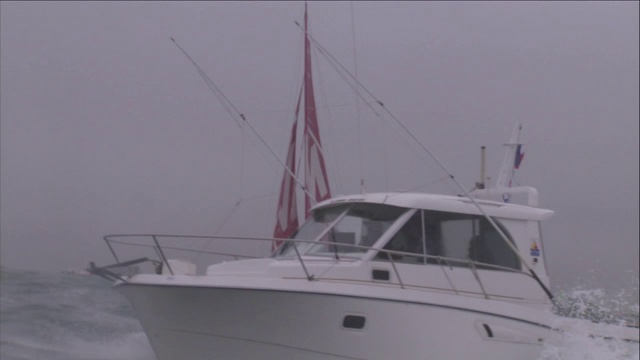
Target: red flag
x=316 y=180
x=287 y=215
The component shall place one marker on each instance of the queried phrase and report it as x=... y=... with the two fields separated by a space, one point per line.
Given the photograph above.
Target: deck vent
x=380 y=275
x=353 y=322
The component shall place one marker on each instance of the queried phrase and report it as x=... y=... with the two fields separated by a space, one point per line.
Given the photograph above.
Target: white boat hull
x=218 y=323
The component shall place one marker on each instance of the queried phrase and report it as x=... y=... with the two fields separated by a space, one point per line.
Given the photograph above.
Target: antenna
x=480 y=184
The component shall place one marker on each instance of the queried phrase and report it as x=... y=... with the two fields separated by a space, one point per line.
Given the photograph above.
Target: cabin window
x=412 y=240
x=471 y=237
x=312 y=229
x=452 y=239
x=344 y=231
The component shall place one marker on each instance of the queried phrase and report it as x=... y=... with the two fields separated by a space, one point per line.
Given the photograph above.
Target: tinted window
x=453 y=236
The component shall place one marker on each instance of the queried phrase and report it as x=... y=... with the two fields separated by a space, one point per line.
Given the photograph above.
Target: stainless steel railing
x=159 y=245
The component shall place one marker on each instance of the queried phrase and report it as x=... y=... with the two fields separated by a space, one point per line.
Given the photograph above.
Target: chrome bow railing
x=153 y=249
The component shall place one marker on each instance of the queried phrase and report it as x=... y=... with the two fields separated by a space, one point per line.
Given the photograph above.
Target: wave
x=66 y=316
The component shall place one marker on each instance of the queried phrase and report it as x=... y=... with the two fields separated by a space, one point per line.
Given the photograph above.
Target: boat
x=387 y=275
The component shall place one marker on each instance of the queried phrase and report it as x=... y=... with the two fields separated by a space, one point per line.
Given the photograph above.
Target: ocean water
x=66 y=317
x=45 y=316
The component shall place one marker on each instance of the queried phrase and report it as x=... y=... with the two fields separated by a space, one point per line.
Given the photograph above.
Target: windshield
x=336 y=229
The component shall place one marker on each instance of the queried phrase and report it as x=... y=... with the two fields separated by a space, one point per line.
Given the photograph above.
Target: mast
x=316 y=180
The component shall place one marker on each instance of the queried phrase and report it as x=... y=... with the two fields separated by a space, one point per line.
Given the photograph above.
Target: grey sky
x=106 y=127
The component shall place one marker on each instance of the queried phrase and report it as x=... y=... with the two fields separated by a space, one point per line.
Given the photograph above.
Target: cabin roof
x=455 y=204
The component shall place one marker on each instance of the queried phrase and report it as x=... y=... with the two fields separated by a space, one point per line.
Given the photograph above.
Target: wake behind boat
x=385 y=275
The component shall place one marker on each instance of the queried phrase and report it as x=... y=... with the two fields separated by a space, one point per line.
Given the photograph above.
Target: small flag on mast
x=518 y=157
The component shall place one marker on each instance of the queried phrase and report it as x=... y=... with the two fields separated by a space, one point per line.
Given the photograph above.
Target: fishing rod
x=230 y=108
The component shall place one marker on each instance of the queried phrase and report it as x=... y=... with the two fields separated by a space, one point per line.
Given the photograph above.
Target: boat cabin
x=423 y=229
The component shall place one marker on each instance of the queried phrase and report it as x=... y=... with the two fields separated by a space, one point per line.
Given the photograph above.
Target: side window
x=456 y=237
x=456 y=234
x=474 y=238
x=420 y=236
x=409 y=239
x=501 y=253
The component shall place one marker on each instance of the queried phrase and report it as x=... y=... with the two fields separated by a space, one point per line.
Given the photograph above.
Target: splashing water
x=597 y=306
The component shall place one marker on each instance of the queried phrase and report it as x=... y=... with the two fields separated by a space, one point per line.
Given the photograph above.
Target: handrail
x=463 y=262
x=475 y=275
x=164 y=258
x=156 y=239
x=309 y=277
x=393 y=264
x=446 y=275
x=184 y=249
x=448 y=260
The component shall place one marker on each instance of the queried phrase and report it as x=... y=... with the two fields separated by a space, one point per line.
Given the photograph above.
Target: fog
x=105 y=127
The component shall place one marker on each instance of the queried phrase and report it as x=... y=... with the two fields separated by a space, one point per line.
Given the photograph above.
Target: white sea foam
x=595 y=305
x=577 y=346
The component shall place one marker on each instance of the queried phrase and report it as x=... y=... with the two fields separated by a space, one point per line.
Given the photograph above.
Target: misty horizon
x=105 y=127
